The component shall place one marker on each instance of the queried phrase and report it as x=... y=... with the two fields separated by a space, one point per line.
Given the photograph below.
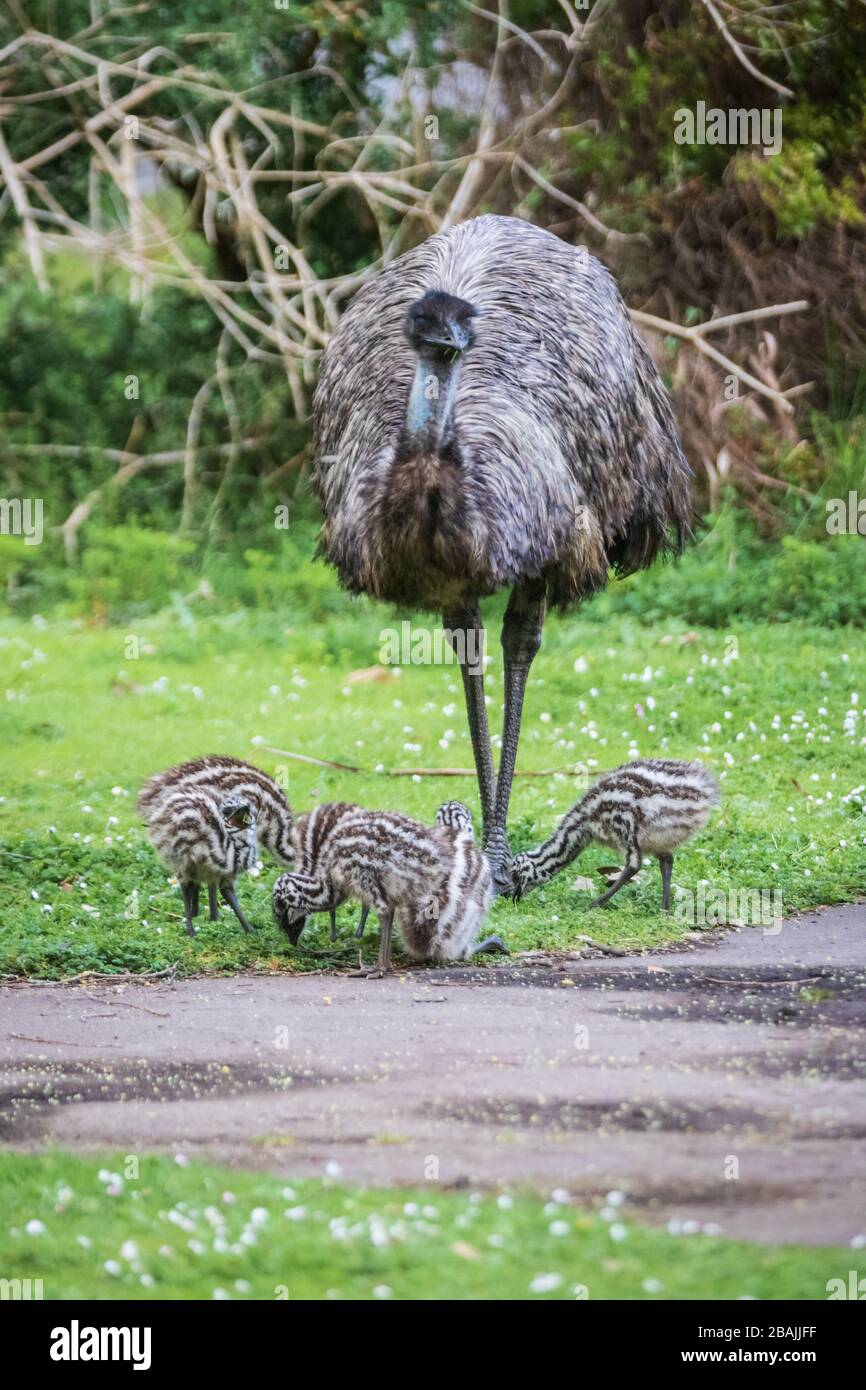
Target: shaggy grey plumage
x=433 y=879
x=508 y=429
x=568 y=454
x=649 y=806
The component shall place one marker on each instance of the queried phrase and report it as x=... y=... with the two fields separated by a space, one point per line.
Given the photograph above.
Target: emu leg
x=666 y=864
x=213 y=906
x=359 y=930
x=521 y=638
x=632 y=864
x=489 y=946
x=383 y=964
x=190 y=905
x=227 y=889
x=333 y=924
x=465 y=632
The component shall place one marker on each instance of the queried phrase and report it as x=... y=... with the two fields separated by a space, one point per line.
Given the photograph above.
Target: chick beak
x=295 y=930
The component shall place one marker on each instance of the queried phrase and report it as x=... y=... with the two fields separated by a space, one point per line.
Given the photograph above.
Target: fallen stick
x=573 y=769
x=600 y=946
x=96 y=976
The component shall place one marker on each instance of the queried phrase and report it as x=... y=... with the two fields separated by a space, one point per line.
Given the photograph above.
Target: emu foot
x=491 y=945
x=500 y=859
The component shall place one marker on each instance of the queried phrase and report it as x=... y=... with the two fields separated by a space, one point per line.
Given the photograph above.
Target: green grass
x=199 y=1232
x=82 y=725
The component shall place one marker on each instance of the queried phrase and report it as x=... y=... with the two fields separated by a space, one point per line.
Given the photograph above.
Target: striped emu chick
x=223 y=777
x=434 y=880
x=650 y=806
x=205 y=839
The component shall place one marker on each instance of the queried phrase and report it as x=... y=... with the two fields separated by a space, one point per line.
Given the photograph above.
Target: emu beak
x=455 y=337
x=458 y=336
x=295 y=930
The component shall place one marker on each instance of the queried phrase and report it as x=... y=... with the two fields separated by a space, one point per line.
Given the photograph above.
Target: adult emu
x=486 y=417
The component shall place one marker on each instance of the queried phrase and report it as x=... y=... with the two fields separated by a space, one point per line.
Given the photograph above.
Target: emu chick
x=203 y=839
x=649 y=806
x=433 y=879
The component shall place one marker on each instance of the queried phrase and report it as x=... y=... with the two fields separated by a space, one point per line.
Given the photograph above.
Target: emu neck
x=431 y=402
x=568 y=840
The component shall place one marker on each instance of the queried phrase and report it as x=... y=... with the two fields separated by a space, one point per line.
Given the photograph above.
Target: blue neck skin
x=431 y=402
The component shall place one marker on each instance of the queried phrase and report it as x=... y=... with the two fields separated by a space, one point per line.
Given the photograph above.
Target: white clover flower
x=545 y=1283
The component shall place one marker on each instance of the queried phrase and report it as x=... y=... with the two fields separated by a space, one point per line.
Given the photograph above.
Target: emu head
x=440 y=325
x=455 y=815
x=522 y=874
x=239 y=816
x=290 y=903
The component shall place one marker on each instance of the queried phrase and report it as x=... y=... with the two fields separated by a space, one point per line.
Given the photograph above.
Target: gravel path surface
x=662 y=1074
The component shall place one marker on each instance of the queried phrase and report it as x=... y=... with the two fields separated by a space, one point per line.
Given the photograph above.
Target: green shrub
x=732 y=573
x=126 y=570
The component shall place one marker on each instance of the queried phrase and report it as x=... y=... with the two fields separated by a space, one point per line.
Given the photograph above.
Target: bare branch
x=696 y=335
x=737 y=49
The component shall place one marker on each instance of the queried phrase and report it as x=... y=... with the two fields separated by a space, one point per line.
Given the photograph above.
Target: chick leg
x=666 y=864
x=190 y=906
x=228 y=891
x=213 y=905
x=632 y=864
x=383 y=964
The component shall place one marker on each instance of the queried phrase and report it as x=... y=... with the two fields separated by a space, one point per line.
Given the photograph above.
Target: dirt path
x=656 y=1074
